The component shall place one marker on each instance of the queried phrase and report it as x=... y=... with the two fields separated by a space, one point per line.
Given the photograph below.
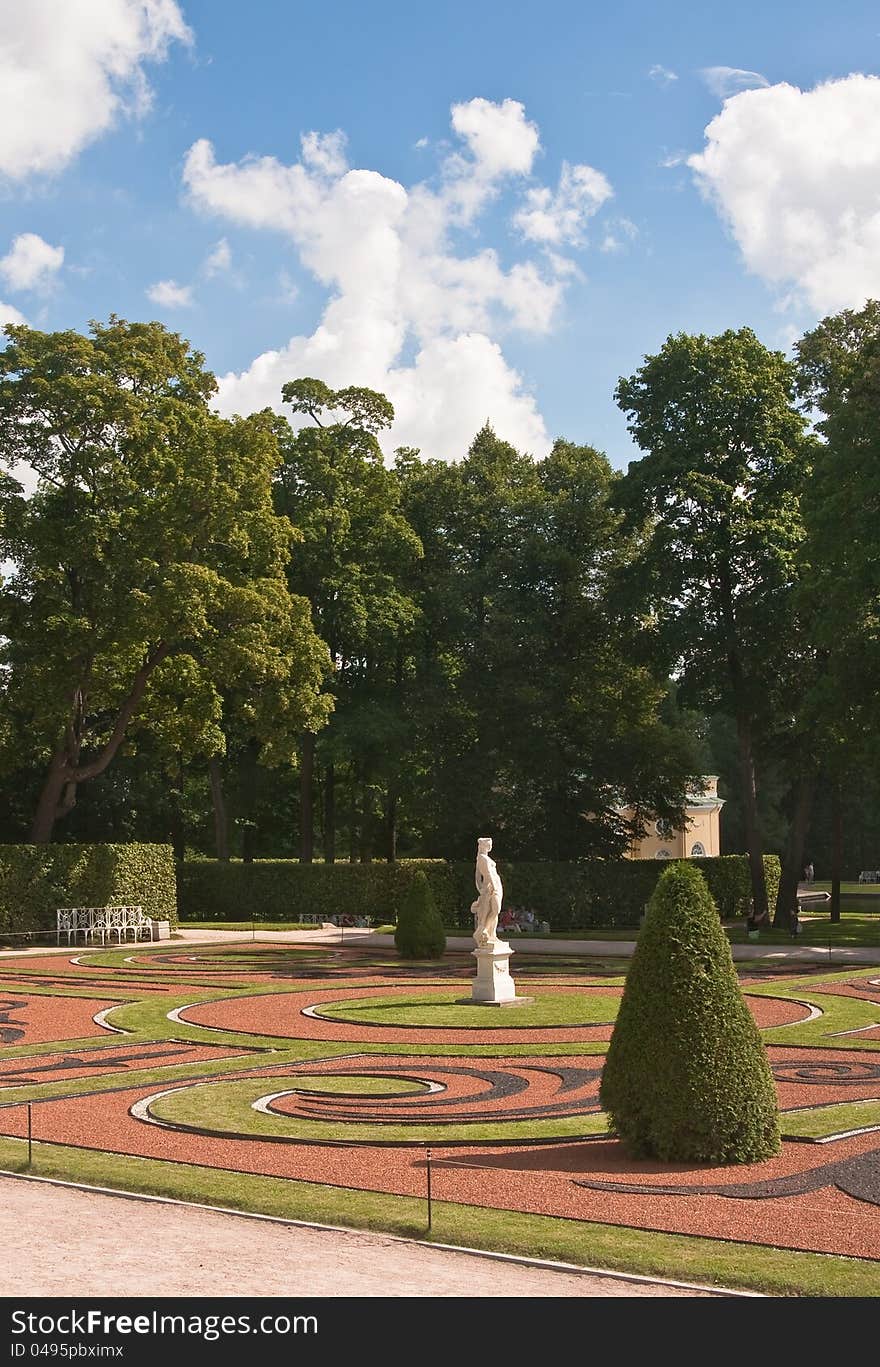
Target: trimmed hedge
x=419 y=933
x=686 y=1077
x=35 y=880
x=569 y=896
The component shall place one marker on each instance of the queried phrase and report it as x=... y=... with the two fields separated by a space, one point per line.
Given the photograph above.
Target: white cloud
x=662 y=75
x=325 y=152
x=31 y=263
x=68 y=68
x=796 y=176
x=218 y=260
x=169 y=295
x=397 y=286
x=10 y=315
x=499 y=137
x=725 y=81
x=620 y=232
x=557 y=216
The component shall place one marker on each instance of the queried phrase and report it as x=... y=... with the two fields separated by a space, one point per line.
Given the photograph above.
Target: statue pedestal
x=493 y=985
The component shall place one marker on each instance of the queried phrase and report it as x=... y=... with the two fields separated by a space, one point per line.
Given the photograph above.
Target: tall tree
x=355 y=550
x=149 y=560
x=536 y=722
x=839 y=381
x=718 y=491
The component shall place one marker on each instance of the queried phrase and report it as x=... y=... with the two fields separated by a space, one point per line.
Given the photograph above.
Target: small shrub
x=686 y=1078
x=419 y=933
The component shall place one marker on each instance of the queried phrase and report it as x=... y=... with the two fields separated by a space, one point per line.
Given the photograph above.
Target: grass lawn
x=441 y=1010
x=863 y=889
x=853 y=929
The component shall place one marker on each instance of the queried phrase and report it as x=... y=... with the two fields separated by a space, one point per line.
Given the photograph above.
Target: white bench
x=92 y=922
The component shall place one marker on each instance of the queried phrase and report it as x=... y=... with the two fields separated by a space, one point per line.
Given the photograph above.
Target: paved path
x=85 y=1243
x=836 y=956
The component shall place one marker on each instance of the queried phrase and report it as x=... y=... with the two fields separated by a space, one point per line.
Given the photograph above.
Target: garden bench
x=91 y=922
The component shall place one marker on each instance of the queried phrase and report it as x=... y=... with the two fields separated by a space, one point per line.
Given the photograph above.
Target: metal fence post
x=428 y=1172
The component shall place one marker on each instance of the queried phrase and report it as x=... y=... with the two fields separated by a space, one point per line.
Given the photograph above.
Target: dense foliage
x=255 y=637
x=686 y=1077
x=566 y=895
x=36 y=880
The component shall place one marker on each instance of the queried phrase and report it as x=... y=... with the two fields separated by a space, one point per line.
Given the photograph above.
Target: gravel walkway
x=86 y=1243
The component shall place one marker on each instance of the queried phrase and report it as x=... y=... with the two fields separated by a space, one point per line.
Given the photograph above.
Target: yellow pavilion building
x=701 y=836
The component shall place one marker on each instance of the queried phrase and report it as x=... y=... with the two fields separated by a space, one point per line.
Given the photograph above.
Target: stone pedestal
x=493 y=985
x=160 y=930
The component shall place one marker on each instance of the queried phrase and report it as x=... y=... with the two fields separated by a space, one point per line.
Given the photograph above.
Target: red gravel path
x=43 y=1019
x=539 y=1178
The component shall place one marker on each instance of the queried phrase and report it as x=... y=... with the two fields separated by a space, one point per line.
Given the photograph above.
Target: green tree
x=149 y=565
x=355 y=552
x=686 y=1077
x=839 y=381
x=534 y=720
x=718 y=494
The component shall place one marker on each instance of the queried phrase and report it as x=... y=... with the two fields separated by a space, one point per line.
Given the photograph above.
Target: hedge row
x=35 y=880
x=598 y=893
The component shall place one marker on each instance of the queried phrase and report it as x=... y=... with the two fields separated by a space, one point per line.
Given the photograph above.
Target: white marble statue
x=487 y=908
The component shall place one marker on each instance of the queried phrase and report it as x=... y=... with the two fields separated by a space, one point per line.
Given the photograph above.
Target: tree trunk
x=247 y=787
x=391 y=825
x=178 y=833
x=793 y=862
x=46 y=814
x=306 y=799
x=329 y=815
x=221 y=817
x=836 y=848
x=65 y=771
x=760 y=914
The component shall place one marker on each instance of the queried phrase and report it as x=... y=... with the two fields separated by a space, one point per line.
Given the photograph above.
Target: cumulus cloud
x=559 y=216
x=169 y=295
x=796 y=177
x=68 y=68
x=31 y=263
x=218 y=260
x=325 y=152
x=10 y=315
x=397 y=285
x=725 y=81
x=662 y=76
x=500 y=138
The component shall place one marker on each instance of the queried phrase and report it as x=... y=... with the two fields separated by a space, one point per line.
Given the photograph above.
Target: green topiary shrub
x=686 y=1078
x=419 y=933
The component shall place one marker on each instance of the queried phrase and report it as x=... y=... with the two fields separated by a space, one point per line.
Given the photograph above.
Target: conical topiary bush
x=686 y=1078
x=419 y=933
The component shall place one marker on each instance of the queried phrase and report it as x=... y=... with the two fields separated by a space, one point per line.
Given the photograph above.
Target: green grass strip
x=440 y=1010
x=821 y=1121
x=225 y=1108
x=756 y=1267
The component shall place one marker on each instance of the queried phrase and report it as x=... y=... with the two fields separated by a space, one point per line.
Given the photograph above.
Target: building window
x=663 y=854
x=698 y=851
x=663 y=828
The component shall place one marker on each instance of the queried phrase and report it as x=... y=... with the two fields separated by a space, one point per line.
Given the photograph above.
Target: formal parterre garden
x=311 y=1082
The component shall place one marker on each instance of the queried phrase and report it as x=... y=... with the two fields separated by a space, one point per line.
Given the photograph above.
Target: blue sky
x=495 y=218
